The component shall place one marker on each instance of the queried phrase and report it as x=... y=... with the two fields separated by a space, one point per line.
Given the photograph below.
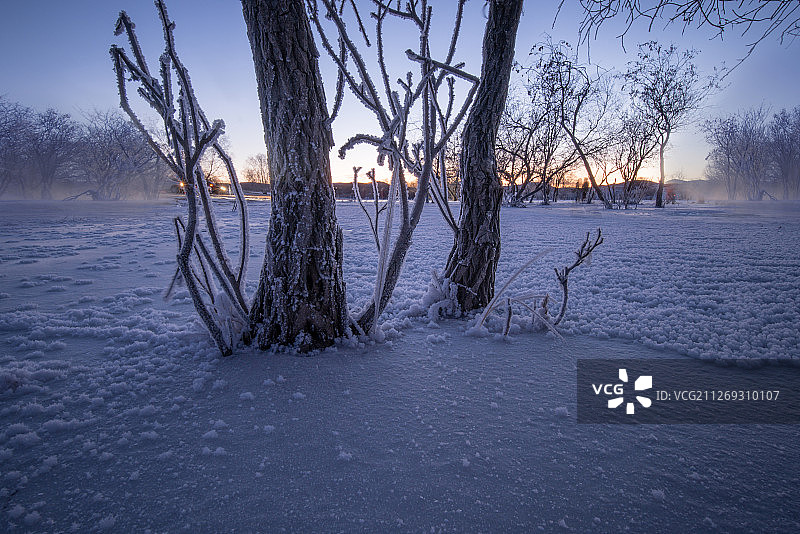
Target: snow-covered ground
x=117 y=414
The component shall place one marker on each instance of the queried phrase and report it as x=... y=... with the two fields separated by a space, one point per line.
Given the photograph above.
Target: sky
x=55 y=54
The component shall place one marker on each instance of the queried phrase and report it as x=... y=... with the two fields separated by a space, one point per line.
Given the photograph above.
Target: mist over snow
x=117 y=413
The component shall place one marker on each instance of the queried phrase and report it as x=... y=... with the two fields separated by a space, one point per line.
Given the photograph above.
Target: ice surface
x=116 y=412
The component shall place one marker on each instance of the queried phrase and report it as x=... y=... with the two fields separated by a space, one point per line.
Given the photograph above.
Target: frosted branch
x=189 y=135
x=582 y=255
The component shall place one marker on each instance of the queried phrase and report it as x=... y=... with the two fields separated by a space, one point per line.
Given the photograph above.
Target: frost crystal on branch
x=393 y=112
x=541 y=318
x=189 y=135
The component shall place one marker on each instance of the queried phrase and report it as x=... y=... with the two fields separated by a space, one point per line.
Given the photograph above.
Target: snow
x=117 y=414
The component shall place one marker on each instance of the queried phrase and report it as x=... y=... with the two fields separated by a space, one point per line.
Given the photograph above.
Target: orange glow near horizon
x=341 y=174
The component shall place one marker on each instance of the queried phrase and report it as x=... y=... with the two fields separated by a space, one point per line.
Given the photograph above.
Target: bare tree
x=666 y=90
x=533 y=147
x=762 y=19
x=741 y=152
x=162 y=176
x=604 y=170
x=753 y=153
x=212 y=164
x=257 y=169
x=445 y=184
x=514 y=151
x=472 y=263
x=215 y=283
x=582 y=101
x=14 y=127
x=722 y=135
x=154 y=181
x=445 y=179
x=300 y=300
x=556 y=183
x=635 y=144
x=784 y=148
x=581 y=190
x=51 y=145
x=112 y=154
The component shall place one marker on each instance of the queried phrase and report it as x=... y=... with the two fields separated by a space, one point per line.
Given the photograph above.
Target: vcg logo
x=642 y=383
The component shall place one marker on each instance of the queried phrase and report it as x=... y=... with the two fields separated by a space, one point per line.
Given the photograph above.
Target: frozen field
x=117 y=414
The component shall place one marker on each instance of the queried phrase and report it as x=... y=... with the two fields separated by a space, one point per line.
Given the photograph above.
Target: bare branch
x=769 y=18
x=413 y=56
x=582 y=254
x=373 y=223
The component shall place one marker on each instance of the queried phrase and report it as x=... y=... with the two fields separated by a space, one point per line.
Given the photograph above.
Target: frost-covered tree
x=784 y=149
x=753 y=157
x=472 y=263
x=721 y=134
x=740 y=152
x=300 y=300
x=749 y=153
x=112 y=155
x=151 y=183
x=14 y=127
x=52 y=142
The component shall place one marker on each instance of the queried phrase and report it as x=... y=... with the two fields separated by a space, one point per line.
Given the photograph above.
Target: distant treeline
x=753 y=153
x=49 y=154
x=102 y=156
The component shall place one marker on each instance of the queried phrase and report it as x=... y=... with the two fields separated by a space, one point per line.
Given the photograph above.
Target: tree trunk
x=473 y=259
x=586 y=165
x=47 y=175
x=47 y=191
x=300 y=299
x=660 y=191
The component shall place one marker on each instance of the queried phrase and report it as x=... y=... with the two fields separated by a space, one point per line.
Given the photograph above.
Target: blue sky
x=55 y=54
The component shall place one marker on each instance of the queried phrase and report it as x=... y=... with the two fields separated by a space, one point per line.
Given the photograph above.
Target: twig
x=582 y=254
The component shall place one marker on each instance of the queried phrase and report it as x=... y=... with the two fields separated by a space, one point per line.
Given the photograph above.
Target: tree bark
x=300 y=299
x=476 y=250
